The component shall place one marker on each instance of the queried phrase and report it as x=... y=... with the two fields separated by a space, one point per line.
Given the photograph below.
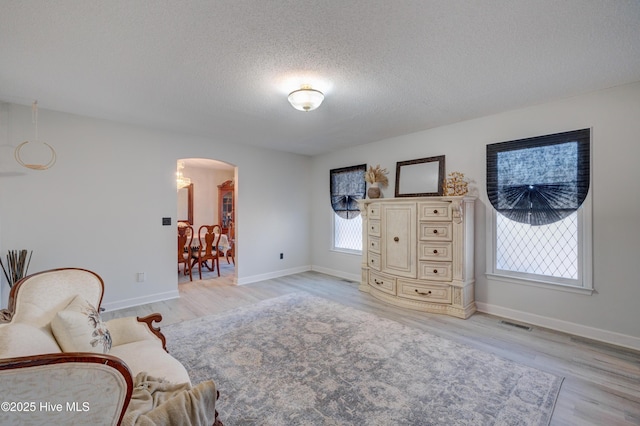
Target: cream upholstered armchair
x=61 y=364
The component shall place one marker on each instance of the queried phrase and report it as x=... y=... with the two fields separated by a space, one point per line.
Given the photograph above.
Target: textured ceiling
x=223 y=68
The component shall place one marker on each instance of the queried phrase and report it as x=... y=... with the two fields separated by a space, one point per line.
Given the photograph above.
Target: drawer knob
x=435 y=212
x=396 y=239
x=435 y=271
x=435 y=252
x=378 y=282
x=423 y=294
x=371 y=260
x=435 y=231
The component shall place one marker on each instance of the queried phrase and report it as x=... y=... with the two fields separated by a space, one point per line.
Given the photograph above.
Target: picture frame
x=422 y=177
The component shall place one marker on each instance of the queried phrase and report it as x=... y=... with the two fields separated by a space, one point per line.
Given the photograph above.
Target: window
x=539 y=190
x=347 y=186
x=347 y=233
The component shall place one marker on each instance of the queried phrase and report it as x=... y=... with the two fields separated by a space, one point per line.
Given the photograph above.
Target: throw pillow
x=21 y=339
x=79 y=328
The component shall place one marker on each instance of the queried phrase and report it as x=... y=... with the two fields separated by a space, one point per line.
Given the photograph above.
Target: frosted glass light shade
x=181 y=180
x=306 y=99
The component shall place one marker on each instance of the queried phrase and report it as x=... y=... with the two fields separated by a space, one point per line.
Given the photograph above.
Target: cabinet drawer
x=374 y=260
x=434 y=271
x=374 y=228
x=374 y=244
x=382 y=283
x=435 y=250
x=434 y=231
x=427 y=292
x=434 y=211
x=374 y=211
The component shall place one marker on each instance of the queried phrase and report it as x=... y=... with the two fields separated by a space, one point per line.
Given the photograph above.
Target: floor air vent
x=513 y=324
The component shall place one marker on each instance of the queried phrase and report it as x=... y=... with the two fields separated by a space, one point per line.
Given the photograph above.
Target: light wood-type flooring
x=602 y=382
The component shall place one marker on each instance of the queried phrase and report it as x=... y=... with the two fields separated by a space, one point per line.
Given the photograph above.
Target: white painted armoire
x=417 y=253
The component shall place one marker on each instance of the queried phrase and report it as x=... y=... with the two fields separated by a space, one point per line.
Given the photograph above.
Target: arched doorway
x=209 y=198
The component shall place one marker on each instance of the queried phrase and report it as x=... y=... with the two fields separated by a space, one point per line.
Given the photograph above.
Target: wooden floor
x=602 y=382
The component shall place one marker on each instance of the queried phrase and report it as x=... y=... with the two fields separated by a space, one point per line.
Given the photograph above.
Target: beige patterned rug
x=303 y=360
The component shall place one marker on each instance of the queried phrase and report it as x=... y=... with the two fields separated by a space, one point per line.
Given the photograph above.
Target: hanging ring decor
x=51 y=162
x=16 y=153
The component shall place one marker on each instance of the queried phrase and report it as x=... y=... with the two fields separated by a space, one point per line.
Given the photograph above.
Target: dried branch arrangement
x=377 y=174
x=17 y=265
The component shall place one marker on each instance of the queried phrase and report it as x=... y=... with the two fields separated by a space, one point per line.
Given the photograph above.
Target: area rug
x=303 y=360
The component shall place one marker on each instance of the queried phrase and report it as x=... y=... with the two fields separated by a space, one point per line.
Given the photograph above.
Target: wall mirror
x=421 y=177
x=185 y=204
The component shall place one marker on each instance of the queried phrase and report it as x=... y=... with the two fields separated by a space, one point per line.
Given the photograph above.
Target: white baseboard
x=605 y=336
x=271 y=275
x=136 y=301
x=336 y=273
x=291 y=271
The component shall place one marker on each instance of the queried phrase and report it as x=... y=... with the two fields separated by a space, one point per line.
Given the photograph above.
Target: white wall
x=101 y=205
x=612 y=313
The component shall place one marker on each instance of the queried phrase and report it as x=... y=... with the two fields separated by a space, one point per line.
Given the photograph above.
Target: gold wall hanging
x=19 y=148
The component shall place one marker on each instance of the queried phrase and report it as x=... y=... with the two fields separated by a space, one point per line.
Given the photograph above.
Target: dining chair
x=185 y=238
x=209 y=238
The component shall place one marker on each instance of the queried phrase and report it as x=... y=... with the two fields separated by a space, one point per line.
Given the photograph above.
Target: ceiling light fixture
x=181 y=181
x=306 y=98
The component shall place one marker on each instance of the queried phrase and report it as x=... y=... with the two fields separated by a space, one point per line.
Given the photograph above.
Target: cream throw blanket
x=156 y=402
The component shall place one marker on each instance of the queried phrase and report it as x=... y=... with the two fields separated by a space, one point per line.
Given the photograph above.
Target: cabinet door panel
x=226 y=206
x=398 y=241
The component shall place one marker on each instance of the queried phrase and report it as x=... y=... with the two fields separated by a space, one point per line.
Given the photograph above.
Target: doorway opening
x=206 y=196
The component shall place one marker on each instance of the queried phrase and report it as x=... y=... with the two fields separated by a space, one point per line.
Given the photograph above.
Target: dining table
x=223 y=244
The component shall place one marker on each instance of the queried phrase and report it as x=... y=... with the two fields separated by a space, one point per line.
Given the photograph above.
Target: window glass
x=347 y=233
x=550 y=250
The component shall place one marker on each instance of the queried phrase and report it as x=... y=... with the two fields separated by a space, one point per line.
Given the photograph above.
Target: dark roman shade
x=539 y=180
x=347 y=186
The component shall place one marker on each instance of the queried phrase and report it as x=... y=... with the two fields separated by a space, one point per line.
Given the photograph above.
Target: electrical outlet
x=281 y=255
x=141 y=277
